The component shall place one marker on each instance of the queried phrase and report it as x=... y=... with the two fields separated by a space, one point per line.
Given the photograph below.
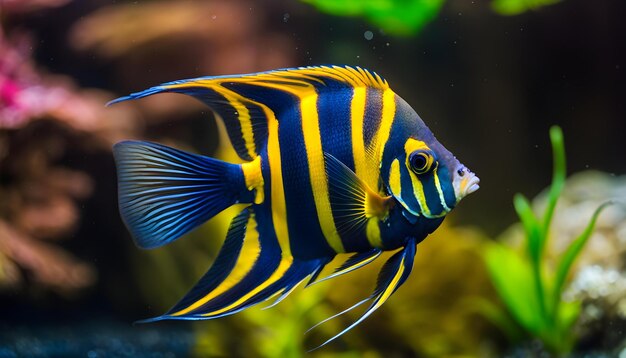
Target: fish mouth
x=472 y=185
x=465 y=184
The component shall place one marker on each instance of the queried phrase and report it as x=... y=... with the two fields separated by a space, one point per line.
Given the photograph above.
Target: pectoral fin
x=353 y=199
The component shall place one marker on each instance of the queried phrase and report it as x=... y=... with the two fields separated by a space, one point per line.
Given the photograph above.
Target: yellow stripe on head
x=413 y=144
x=420 y=196
x=440 y=191
x=394 y=179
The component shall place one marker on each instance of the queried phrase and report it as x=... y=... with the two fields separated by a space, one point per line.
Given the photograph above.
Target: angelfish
x=335 y=162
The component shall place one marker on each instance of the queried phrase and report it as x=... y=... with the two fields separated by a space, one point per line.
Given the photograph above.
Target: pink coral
x=39 y=198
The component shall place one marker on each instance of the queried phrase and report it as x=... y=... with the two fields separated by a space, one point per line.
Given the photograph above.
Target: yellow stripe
x=357 y=113
x=412 y=145
x=247 y=257
x=356 y=265
x=356 y=77
x=346 y=76
x=245 y=121
x=418 y=191
x=277 y=190
x=279 y=208
x=279 y=212
x=317 y=171
x=298 y=85
x=382 y=135
x=330 y=74
x=253 y=176
x=284 y=265
x=315 y=159
x=353 y=73
x=440 y=191
x=392 y=285
x=366 y=75
x=372 y=232
x=394 y=179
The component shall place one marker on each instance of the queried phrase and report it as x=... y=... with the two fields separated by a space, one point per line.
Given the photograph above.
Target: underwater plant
x=530 y=289
x=516 y=7
x=395 y=17
x=43 y=118
x=409 y=17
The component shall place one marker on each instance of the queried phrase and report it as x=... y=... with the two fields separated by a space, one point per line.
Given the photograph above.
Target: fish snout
x=465 y=182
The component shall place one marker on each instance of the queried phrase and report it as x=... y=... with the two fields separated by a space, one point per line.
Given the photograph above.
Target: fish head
x=424 y=177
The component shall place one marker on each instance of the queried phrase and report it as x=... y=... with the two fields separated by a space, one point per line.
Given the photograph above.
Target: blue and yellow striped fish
x=335 y=162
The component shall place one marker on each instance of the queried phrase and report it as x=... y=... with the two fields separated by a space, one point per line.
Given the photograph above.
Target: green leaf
x=572 y=253
x=516 y=7
x=512 y=277
x=568 y=315
x=496 y=315
x=531 y=226
x=560 y=339
x=341 y=7
x=558 y=176
x=396 y=17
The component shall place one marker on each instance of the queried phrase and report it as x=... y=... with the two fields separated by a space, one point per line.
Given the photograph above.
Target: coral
x=40 y=112
x=38 y=197
x=39 y=208
x=25 y=6
x=27 y=93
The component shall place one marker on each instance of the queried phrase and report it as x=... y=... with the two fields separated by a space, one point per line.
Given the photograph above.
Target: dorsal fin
x=247 y=102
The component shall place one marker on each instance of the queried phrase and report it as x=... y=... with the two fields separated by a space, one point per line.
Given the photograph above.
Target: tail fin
x=165 y=193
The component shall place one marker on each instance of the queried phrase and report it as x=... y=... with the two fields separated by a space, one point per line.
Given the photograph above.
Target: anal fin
x=249 y=269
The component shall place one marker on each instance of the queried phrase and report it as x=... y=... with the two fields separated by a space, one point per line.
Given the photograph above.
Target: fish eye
x=421 y=161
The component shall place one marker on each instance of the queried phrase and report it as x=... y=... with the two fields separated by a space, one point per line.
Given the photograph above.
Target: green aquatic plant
x=516 y=7
x=409 y=17
x=530 y=289
x=396 y=17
